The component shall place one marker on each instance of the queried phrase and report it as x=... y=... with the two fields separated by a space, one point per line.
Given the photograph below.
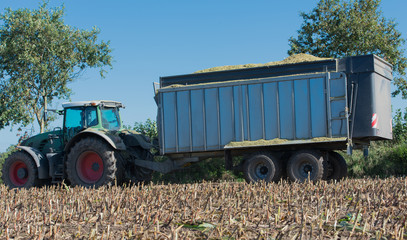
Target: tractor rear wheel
x=19 y=171
x=305 y=165
x=91 y=162
x=262 y=167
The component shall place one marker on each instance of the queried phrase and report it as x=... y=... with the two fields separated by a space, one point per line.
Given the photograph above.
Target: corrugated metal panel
x=318 y=107
x=197 y=118
x=207 y=117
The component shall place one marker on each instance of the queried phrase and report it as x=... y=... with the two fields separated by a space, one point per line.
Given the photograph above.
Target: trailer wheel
x=338 y=166
x=19 y=171
x=304 y=165
x=139 y=175
x=91 y=163
x=120 y=168
x=136 y=174
x=262 y=167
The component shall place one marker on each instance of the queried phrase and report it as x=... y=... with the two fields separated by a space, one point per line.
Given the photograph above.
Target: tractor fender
x=114 y=141
x=135 y=139
x=40 y=161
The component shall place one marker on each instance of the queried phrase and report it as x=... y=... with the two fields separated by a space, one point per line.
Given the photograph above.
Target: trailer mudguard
x=40 y=160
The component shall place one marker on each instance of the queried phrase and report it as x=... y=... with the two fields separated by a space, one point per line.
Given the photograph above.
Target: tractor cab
x=99 y=115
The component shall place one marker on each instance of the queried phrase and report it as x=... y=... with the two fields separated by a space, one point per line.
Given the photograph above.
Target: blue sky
x=154 y=38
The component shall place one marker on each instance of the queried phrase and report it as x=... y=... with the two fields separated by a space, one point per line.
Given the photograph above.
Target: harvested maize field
x=353 y=208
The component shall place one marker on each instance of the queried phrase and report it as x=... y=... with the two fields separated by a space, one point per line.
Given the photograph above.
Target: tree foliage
x=338 y=28
x=400 y=126
x=39 y=56
x=5 y=155
x=147 y=128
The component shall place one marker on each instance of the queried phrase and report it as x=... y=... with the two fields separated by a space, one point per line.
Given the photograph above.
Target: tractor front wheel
x=19 y=171
x=91 y=163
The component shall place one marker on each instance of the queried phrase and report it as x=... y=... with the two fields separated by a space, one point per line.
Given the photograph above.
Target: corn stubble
x=353 y=208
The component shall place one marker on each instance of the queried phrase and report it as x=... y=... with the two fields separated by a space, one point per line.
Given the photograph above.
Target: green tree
x=338 y=28
x=3 y=157
x=39 y=56
x=147 y=128
x=400 y=126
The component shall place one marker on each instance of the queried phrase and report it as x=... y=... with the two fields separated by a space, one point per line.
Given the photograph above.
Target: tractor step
x=58 y=175
x=57 y=178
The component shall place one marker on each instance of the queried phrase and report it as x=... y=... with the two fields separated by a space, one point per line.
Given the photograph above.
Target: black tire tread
x=340 y=167
x=33 y=180
x=136 y=174
x=273 y=160
x=104 y=150
x=314 y=156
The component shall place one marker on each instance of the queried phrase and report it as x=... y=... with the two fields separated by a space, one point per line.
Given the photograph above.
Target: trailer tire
x=19 y=171
x=306 y=164
x=338 y=165
x=137 y=174
x=91 y=162
x=120 y=168
x=262 y=167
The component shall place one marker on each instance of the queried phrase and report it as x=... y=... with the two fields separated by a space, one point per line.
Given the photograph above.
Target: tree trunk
x=44 y=117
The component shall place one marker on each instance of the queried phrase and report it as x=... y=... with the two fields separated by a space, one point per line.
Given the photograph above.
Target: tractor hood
x=41 y=141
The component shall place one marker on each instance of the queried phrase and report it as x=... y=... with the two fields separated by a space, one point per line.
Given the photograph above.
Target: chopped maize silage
x=327 y=139
x=276 y=141
x=260 y=142
x=297 y=58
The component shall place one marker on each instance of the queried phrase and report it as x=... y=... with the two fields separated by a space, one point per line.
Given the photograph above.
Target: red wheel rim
x=18 y=173
x=89 y=167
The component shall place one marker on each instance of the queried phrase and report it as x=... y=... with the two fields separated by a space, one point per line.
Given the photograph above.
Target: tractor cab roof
x=103 y=103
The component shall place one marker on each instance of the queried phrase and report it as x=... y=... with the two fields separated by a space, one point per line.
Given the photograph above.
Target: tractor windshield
x=110 y=118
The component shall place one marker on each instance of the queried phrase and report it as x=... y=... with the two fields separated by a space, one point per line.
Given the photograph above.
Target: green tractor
x=91 y=149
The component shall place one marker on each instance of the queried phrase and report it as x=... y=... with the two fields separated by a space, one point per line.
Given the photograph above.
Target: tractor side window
x=91 y=116
x=73 y=118
x=110 y=118
x=73 y=122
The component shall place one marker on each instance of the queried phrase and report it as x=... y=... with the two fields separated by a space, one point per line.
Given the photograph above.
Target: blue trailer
x=282 y=119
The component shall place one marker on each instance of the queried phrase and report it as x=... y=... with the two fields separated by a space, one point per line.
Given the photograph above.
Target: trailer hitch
x=167 y=166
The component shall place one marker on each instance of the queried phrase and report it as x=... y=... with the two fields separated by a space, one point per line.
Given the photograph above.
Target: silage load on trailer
x=276 y=141
x=297 y=58
x=260 y=142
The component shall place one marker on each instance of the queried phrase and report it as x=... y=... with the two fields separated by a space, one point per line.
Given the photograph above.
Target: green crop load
x=297 y=58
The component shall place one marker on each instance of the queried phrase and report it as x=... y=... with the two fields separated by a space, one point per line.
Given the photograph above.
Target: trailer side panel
x=207 y=117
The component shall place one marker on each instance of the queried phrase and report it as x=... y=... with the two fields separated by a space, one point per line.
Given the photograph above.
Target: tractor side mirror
x=59 y=112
